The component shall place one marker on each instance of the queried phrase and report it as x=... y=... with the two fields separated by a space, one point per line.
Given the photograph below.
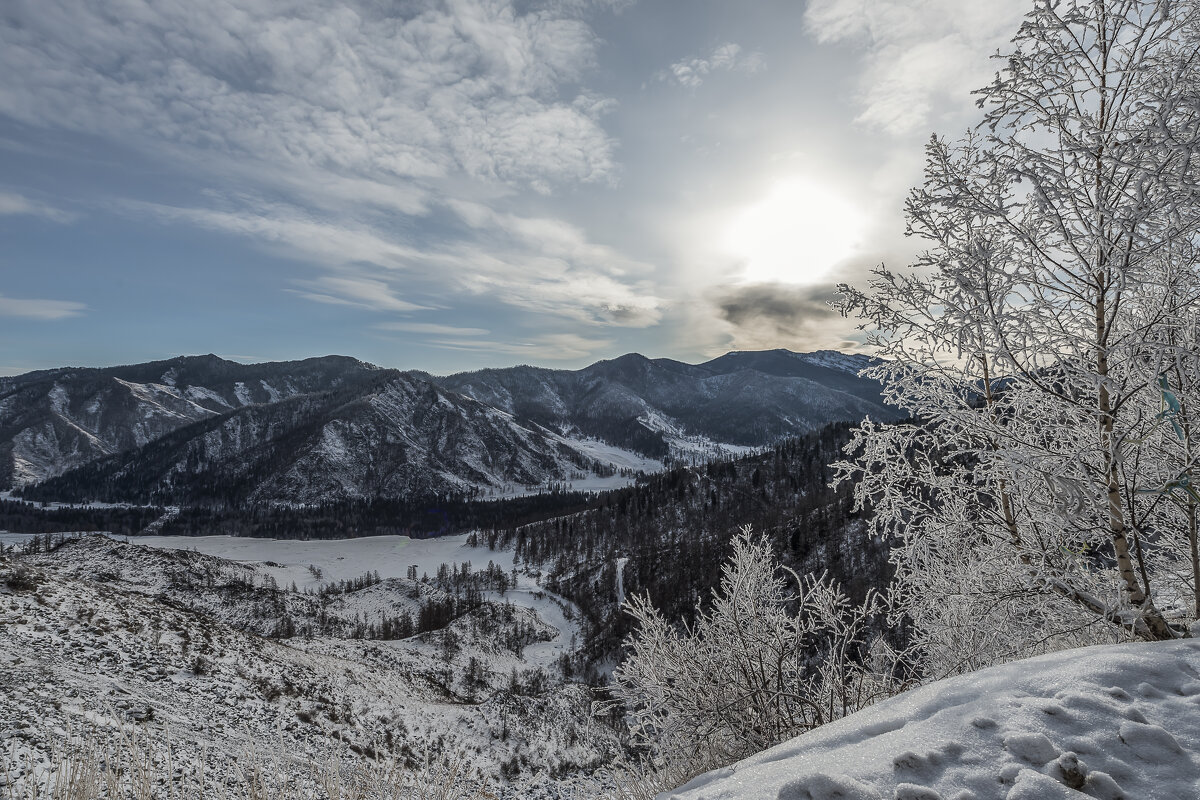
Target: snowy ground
x=290 y=561
x=1105 y=722
x=338 y=559
x=114 y=629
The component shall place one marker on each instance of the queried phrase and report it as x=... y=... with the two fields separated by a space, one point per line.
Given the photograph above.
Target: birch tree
x=1030 y=343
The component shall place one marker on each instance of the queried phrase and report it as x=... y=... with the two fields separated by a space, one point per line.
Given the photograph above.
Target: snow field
x=1108 y=722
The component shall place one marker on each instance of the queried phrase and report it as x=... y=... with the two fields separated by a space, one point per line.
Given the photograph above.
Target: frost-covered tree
x=770 y=656
x=1034 y=498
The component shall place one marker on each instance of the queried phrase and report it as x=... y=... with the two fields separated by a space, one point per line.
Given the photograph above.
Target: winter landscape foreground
x=107 y=639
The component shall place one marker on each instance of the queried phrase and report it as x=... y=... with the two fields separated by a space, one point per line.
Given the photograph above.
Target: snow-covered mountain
x=204 y=429
x=662 y=407
x=396 y=435
x=54 y=420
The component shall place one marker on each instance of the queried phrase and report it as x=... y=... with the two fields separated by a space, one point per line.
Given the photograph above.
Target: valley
x=474 y=616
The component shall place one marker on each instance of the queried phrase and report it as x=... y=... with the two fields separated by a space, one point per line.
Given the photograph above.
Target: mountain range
x=204 y=430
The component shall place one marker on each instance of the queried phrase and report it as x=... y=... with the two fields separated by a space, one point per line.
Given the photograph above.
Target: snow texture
x=1107 y=722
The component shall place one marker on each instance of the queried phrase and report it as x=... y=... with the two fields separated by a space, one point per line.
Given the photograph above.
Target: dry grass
x=130 y=765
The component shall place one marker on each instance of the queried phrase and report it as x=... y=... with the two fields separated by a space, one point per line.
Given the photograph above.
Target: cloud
x=769 y=315
x=534 y=264
x=375 y=141
x=431 y=328
x=14 y=204
x=39 y=309
x=546 y=347
x=916 y=53
x=420 y=92
x=728 y=57
x=373 y=295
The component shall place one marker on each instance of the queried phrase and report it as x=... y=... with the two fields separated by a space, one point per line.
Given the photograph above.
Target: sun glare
x=796 y=234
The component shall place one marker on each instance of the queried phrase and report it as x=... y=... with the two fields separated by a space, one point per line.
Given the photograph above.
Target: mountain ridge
x=198 y=429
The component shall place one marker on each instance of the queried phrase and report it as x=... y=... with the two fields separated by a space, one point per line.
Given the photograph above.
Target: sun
x=796 y=234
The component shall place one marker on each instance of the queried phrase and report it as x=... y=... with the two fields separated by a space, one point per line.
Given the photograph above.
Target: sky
x=454 y=184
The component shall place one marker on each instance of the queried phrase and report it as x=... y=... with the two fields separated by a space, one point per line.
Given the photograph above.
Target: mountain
x=396 y=435
x=54 y=420
x=203 y=430
x=665 y=408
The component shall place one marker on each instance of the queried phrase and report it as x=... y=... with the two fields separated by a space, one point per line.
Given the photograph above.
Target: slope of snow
x=1108 y=722
x=288 y=560
x=90 y=648
x=852 y=363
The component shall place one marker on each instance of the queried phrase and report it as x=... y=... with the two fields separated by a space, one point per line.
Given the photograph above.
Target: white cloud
x=365 y=123
x=533 y=264
x=358 y=90
x=431 y=328
x=361 y=292
x=14 y=204
x=728 y=57
x=918 y=55
x=39 y=309
x=546 y=347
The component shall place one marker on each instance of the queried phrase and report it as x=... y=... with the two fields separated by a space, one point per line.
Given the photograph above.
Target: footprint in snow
x=1150 y=742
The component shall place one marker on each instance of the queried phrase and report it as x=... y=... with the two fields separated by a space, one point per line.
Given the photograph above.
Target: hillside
x=1104 y=722
x=323 y=651
x=54 y=420
x=666 y=408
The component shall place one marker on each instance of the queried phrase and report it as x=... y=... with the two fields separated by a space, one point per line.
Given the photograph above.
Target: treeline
x=674 y=530
x=17 y=516
x=418 y=518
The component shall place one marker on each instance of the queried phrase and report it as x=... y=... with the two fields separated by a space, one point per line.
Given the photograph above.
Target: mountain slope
x=655 y=406
x=202 y=430
x=54 y=420
x=396 y=435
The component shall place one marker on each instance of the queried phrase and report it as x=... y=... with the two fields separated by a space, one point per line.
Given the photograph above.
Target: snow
x=271 y=391
x=617 y=456
x=852 y=363
x=113 y=635
x=202 y=393
x=338 y=559
x=551 y=609
x=289 y=561
x=1103 y=722
x=690 y=447
x=242 y=393
x=621 y=562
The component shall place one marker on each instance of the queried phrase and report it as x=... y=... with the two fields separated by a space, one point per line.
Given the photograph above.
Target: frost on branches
x=762 y=663
x=1046 y=346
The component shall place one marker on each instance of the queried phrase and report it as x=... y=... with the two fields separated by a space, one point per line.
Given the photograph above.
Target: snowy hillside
x=54 y=420
x=1107 y=722
x=101 y=634
x=662 y=407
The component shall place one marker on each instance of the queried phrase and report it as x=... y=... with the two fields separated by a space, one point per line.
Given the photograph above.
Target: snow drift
x=1107 y=722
